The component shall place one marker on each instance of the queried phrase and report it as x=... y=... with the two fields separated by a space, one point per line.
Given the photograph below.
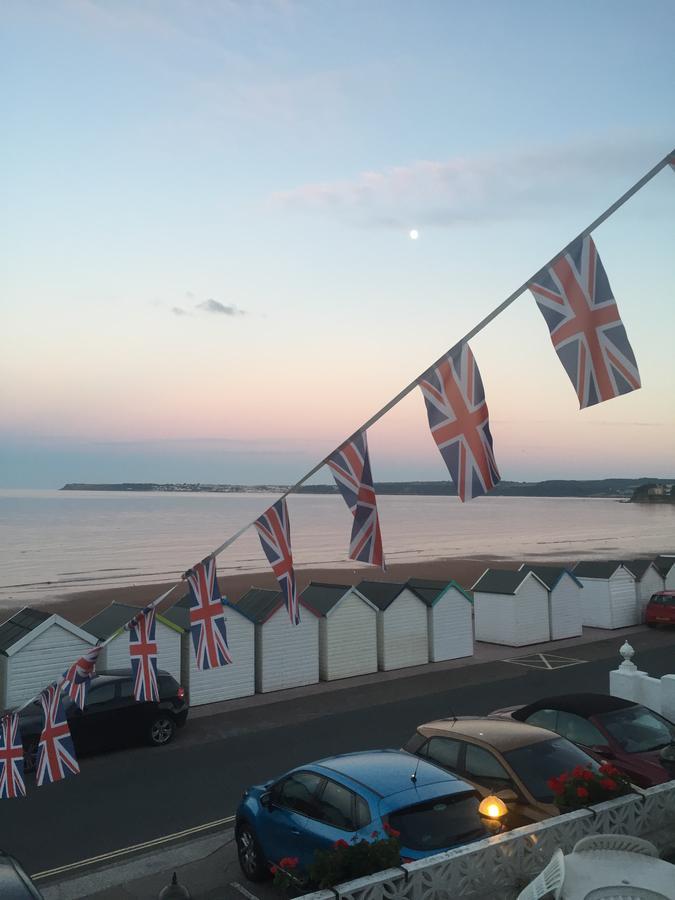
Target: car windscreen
x=535 y=764
x=663 y=599
x=439 y=823
x=637 y=729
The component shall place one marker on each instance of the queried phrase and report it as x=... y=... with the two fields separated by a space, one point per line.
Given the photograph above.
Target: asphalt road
x=139 y=794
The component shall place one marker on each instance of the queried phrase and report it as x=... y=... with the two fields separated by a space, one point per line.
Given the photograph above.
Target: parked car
x=111 y=716
x=349 y=797
x=638 y=741
x=661 y=609
x=14 y=882
x=508 y=759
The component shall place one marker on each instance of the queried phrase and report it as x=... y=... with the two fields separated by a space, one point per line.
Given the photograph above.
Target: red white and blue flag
x=274 y=530
x=672 y=162
x=76 y=679
x=459 y=422
x=207 y=616
x=351 y=469
x=11 y=758
x=56 y=753
x=576 y=300
x=143 y=653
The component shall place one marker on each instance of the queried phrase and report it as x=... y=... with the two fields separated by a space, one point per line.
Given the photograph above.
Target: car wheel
x=161 y=731
x=30 y=755
x=251 y=857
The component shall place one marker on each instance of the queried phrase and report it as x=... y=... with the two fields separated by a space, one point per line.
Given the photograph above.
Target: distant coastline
x=622 y=488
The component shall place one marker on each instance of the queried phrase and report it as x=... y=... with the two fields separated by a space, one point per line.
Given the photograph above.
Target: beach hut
x=286 y=655
x=511 y=608
x=36 y=647
x=237 y=679
x=402 y=636
x=449 y=618
x=608 y=599
x=347 y=630
x=648 y=580
x=115 y=655
x=564 y=600
x=666 y=566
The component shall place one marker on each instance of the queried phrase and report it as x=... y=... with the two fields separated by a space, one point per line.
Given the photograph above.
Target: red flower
x=341 y=844
x=563 y=777
x=582 y=792
x=609 y=784
x=375 y=834
x=273 y=870
x=578 y=772
x=392 y=832
x=587 y=775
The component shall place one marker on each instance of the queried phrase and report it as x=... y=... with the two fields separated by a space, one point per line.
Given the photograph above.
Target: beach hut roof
x=503 y=581
x=664 y=563
x=431 y=591
x=179 y=613
x=597 y=568
x=322 y=598
x=260 y=604
x=114 y=617
x=551 y=575
x=639 y=566
x=26 y=624
x=381 y=593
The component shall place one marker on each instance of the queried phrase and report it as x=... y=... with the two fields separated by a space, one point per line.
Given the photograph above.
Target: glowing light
x=413 y=234
x=493 y=808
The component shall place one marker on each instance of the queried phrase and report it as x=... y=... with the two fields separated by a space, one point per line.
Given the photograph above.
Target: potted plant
x=584 y=787
x=348 y=860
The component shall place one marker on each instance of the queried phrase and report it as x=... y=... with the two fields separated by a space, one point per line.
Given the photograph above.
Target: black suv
x=111 y=716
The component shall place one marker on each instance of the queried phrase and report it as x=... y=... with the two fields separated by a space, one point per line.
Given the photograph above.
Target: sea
x=55 y=543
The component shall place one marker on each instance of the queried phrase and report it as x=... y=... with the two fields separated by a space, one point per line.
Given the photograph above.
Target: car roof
x=663 y=594
x=502 y=734
x=582 y=704
x=388 y=772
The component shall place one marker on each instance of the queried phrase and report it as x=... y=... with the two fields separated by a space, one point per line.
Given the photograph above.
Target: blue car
x=349 y=797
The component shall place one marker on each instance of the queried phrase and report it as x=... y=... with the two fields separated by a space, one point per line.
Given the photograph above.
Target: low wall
x=630 y=683
x=501 y=866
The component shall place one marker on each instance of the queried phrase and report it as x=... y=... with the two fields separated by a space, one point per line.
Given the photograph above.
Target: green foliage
x=344 y=861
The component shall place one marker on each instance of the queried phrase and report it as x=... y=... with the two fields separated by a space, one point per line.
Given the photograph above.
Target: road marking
x=134 y=848
x=545 y=661
x=242 y=890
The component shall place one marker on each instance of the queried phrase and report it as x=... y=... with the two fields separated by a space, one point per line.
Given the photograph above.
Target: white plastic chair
x=623 y=843
x=624 y=893
x=548 y=881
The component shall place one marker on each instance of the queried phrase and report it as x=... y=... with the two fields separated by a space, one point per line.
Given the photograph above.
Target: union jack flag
x=56 y=753
x=672 y=162
x=576 y=300
x=76 y=679
x=459 y=422
x=207 y=619
x=143 y=652
x=351 y=469
x=274 y=531
x=11 y=758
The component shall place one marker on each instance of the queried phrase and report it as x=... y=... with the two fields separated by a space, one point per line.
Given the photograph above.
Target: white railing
x=499 y=867
x=630 y=683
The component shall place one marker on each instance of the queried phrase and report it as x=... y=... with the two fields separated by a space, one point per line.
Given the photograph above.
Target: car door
x=91 y=727
x=287 y=821
x=342 y=815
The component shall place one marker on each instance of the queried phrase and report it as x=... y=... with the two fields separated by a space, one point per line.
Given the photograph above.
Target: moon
x=413 y=234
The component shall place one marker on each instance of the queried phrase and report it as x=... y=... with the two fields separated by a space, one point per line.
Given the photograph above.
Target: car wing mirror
x=266 y=800
x=508 y=796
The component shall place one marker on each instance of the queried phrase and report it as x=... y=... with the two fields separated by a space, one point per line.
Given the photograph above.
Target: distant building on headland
x=654 y=493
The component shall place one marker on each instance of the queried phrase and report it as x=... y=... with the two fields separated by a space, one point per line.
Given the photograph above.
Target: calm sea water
x=54 y=543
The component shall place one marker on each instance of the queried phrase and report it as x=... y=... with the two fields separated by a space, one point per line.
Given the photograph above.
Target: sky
x=208 y=273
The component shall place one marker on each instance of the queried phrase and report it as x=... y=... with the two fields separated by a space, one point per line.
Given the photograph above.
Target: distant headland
x=638 y=490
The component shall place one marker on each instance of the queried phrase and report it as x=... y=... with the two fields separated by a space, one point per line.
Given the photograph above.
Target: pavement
x=159 y=812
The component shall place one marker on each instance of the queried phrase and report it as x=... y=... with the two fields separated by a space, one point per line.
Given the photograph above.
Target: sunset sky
x=207 y=272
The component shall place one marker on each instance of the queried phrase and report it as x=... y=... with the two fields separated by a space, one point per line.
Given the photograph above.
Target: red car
x=638 y=741
x=661 y=609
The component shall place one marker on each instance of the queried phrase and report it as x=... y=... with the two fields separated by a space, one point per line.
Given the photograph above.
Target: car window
x=363 y=816
x=579 y=730
x=637 y=729
x=127 y=688
x=483 y=767
x=439 y=823
x=336 y=806
x=544 y=718
x=444 y=751
x=535 y=764
x=100 y=693
x=297 y=793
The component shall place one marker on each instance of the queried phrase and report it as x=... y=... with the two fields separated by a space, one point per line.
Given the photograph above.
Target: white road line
x=134 y=848
x=242 y=890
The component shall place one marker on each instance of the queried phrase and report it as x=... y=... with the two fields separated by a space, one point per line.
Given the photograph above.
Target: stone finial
x=628 y=653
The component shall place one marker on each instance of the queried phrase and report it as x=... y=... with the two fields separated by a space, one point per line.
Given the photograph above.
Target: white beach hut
x=347 y=630
x=36 y=648
x=286 y=655
x=237 y=679
x=648 y=580
x=402 y=635
x=115 y=655
x=511 y=608
x=449 y=618
x=666 y=566
x=608 y=599
x=564 y=600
